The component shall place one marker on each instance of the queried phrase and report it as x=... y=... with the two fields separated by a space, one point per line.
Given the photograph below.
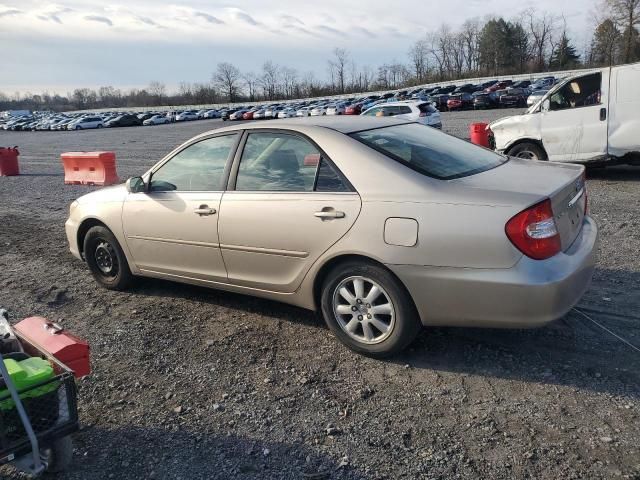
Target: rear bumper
x=530 y=294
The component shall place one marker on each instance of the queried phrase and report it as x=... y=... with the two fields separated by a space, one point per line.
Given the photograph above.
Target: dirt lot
x=190 y=383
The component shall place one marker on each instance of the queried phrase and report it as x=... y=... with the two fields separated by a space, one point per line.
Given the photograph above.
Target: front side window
x=430 y=152
x=280 y=162
x=581 y=92
x=372 y=112
x=197 y=168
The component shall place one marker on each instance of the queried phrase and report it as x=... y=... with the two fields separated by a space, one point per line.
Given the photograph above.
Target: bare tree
x=419 y=58
x=270 y=79
x=541 y=28
x=251 y=81
x=339 y=65
x=471 y=37
x=157 y=90
x=227 y=77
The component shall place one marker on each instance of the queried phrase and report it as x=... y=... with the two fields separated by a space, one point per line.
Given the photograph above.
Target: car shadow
x=141 y=452
x=618 y=173
x=571 y=351
x=260 y=306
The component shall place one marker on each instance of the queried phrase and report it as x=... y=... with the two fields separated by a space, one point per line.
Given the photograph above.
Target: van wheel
x=106 y=260
x=368 y=309
x=528 y=151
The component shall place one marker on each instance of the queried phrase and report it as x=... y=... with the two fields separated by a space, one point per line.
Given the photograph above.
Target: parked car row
x=27 y=121
x=418 y=105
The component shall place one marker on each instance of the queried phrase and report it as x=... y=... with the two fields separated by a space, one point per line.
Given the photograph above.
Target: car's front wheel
x=368 y=309
x=528 y=151
x=106 y=260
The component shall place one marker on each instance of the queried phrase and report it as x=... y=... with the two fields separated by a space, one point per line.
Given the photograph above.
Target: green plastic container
x=27 y=373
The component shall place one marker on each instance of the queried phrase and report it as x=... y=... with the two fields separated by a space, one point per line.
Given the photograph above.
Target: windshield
x=430 y=151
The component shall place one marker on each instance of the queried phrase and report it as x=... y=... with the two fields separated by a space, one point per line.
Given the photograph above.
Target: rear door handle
x=329 y=214
x=204 y=210
x=603 y=114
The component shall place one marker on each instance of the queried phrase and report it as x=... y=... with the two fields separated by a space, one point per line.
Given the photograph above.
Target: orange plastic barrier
x=479 y=134
x=89 y=168
x=9 y=162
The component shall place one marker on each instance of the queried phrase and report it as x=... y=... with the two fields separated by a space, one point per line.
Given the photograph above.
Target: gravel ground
x=190 y=383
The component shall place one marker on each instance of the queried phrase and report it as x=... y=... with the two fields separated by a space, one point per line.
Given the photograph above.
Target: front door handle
x=329 y=214
x=603 y=114
x=204 y=210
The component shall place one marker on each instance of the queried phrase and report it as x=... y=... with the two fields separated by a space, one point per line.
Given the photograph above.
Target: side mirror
x=136 y=185
x=546 y=104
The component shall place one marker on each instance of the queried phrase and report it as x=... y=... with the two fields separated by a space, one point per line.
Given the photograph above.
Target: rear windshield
x=430 y=151
x=427 y=108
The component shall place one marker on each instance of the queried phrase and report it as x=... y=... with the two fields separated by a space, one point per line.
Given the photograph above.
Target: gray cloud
x=8 y=13
x=246 y=18
x=330 y=30
x=208 y=18
x=99 y=19
x=366 y=32
x=148 y=21
x=55 y=15
x=290 y=20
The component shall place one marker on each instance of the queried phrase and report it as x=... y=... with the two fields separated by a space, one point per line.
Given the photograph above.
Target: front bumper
x=531 y=293
x=71 y=229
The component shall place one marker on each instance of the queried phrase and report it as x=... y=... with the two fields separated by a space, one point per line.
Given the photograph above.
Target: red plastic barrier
x=9 y=162
x=52 y=338
x=479 y=134
x=89 y=168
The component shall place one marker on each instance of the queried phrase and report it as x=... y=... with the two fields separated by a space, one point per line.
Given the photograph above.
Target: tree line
x=530 y=42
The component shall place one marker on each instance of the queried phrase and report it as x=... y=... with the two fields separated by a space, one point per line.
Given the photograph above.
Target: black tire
x=528 y=151
x=99 y=125
x=59 y=455
x=106 y=260
x=406 y=325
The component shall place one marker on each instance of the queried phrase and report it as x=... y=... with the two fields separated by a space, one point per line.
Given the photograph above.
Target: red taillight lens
x=534 y=231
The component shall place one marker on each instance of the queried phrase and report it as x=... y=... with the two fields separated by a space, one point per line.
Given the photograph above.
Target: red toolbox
x=52 y=338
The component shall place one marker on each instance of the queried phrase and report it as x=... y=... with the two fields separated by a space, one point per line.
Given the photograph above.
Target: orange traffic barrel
x=479 y=134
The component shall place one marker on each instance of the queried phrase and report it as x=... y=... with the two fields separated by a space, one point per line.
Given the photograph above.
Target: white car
x=318 y=110
x=286 y=113
x=337 y=109
x=416 y=111
x=259 y=114
x=303 y=112
x=272 y=112
x=156 y=120
x=590 y=118
x=187 y=116
x=86 y=123
x=211 y=114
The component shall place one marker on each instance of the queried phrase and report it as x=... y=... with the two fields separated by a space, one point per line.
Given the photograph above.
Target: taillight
x=423 y=114
x=534 y=231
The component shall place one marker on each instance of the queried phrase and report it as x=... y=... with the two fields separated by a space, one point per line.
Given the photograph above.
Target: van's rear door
x=624 y=105
x=574 y=128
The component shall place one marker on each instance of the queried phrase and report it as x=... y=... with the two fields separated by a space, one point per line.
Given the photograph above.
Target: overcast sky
x=89 y=43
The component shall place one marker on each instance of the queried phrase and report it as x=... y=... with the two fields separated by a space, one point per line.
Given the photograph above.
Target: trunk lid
x=524 y=183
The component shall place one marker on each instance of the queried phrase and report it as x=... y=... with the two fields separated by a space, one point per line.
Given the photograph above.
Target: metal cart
x=36 y=422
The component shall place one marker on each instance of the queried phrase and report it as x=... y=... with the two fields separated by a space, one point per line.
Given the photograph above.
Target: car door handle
x=204 y=210
x=329 y=214
x=603 y=114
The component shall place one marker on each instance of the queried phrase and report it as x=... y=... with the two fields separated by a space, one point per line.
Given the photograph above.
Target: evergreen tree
x=564 y=55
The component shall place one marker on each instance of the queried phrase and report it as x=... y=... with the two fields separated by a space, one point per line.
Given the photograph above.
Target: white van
x=590 y=118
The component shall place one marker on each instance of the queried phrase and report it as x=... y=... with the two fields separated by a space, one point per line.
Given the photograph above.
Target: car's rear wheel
x=106 y=260
x=528 y=151
x=368 y=309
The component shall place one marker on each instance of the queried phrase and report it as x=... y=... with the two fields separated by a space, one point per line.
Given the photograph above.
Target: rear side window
x=429 y=151
x=403 y=109
x=426 y=108
x=328 y=179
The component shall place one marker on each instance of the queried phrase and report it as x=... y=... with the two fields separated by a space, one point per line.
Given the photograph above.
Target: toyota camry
x=380 y=224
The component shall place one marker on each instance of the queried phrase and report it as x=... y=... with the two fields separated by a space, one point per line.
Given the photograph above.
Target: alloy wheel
x=364 y=310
